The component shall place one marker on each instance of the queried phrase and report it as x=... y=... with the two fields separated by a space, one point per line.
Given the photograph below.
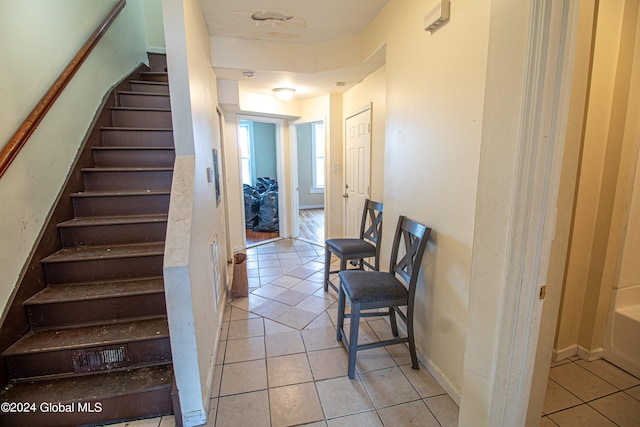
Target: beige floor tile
x=320 y=338
x=363 y=419
x=400 y=353
x=422 y=381
x=290 y=297
x=408 y=414
x=329 y=363
x=317 y=424
x=222 y=345
x=381 y=328
x=267 y=249
x=634 y=392
x=294 y=404
x=239 y=314
x=267 y=256
x=253 y=272
x=287 y=370
x=621 y=408
x=271 y=327
x=269 y=291
x=388 y=387
x=252 y=264
x=244 y=410
x=580 y=382
x=317 y=277
x=445 y=410
x=290 y=262
x=248 y=303
x=373 y=360
x=246 y=328
x=227 y=313
x=609 y=373
x=269 y=263
x=342 y=396
x=296 y=318
x=170 y=420
x=581 y=416
x=330 y=294
x=283 y=344
x=243 y=377
x=217 y=380
x=286 y=281
x=265 y=280
x=320 y=322
x=557 y=398
x=546 y=422
x=271 y=309
x=244 y=349
x=224 y=331
x=270 y=271
x=302 y=272
x=152 y=422
x=314 y=304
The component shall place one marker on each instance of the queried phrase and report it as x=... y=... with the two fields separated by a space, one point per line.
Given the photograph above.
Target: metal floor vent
x=101 y=358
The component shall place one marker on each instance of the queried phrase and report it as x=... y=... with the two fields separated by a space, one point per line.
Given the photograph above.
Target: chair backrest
x=371 y=214
x=413 y=236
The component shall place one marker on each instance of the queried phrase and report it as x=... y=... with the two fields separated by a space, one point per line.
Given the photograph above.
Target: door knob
x=346 y=196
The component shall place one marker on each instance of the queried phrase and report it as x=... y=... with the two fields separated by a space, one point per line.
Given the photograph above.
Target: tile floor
x=581 y=393
x=279 y=364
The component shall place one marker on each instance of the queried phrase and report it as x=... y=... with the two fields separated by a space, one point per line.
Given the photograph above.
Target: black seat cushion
x=351 y=247
x=372 y=286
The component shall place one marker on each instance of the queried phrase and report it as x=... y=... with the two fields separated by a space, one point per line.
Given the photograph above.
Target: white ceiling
x=303 y=23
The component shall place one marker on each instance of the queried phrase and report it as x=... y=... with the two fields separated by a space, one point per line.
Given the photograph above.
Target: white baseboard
x=590 y=355
x=444 y=382
x=310 y=207
x=158 y=50
x=565 y=353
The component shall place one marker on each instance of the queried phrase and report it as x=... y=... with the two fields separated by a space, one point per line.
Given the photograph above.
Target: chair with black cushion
x=375 y=290
x=357 y=250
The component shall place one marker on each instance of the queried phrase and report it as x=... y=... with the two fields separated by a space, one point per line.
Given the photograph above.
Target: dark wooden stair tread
x=162 y=110
x=84 y=253
x=135 y=129
x=127 y=169
x=37 y=341
x=97 y=290
x=107 y=193
x=90 y=387
x=137 y=92
x=112 y=220
x=131 y=148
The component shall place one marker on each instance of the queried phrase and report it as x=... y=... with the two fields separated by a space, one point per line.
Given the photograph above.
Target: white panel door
x=357 y=169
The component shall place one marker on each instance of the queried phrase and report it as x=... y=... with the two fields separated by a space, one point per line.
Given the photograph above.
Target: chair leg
x=327 y=268
x=353 y=338
x=341 y=298
x=412 y=344
x=393 y=321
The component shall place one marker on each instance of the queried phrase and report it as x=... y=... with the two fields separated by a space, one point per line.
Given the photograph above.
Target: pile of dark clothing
x=261 y=205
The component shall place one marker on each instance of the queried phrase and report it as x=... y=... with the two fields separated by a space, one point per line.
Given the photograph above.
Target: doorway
x=311 y=141
x=357 y=186
x=258 y=143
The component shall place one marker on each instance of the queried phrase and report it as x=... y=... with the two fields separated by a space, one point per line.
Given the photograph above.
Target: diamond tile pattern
x=279 y=364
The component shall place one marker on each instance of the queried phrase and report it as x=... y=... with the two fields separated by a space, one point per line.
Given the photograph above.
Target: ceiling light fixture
x=249 y=74
x=284 y=93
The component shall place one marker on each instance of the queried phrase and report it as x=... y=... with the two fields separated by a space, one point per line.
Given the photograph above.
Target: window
x=317 y=150
x=244 y=141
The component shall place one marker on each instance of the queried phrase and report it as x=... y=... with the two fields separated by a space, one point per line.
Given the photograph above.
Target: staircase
x=99 y=346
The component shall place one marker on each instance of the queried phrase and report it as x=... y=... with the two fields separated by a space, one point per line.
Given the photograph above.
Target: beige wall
x=194 y=219
x=154 y=29
x=434 y=104
x=44 y=38
x=603 y=185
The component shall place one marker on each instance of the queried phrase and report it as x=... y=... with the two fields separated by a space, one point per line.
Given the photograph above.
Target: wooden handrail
x=19 y=139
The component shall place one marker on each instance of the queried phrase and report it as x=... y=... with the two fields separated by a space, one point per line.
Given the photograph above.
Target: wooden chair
x=368 y=290
x=357 y=250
